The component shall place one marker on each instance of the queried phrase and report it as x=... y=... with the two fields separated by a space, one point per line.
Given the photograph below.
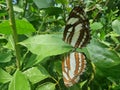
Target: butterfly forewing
x=77 y=31
x=73 y=66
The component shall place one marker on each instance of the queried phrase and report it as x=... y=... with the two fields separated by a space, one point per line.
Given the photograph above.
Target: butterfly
x=77 y=31
x=77 y=34
x=73 y=66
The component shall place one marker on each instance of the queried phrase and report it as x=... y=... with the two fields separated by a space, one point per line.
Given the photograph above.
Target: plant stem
x=25 y=8
x=14 y=32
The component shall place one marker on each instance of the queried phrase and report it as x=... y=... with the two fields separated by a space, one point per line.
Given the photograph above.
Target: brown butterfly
x=77 y=31
x=73 y=66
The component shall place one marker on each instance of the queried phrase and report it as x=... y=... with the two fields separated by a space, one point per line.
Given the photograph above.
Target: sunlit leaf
x=4 y=76
x=19 y=82
x=18 y=9
x=5 y=57
x=46 y=86
x=36 y=74
x=116 y=26
x=22 y=26
x=43 y=3
x=46 y=45
x=96 y=26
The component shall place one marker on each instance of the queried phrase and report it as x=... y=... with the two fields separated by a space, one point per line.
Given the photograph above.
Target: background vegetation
x=30 y=59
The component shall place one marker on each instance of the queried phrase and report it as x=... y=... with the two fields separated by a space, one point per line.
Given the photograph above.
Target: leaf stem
x=14 y=32
x=57 y=82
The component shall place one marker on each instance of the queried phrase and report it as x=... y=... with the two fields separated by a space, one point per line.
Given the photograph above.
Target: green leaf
x=35 y=75
x=18 y=9
x=19 y=82
x=75 y=87
x=43 y=3
x=4 y=76
x=22 y=27
x=113 y=72
x=117 y=87
x=96 y=26
x=116 y=26
x=3 y=13
x=46 y=86
x=32 y=59
x=58 y=67
x=101 y=55
x=10 y=44
x=107 y=61
x=46 y=45
x=62 y=1
x=53 y=11
x=5 y=57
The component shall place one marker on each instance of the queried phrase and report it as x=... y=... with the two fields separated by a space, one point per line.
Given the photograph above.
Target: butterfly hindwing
x=73 y=66
x=77 y=31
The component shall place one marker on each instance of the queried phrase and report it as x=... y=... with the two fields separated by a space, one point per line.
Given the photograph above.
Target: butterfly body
x=77 y=34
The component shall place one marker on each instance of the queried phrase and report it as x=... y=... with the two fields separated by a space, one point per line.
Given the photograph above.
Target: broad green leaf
x=101 y=55
x=116 y=26
x=36 y=74
x=19 y=82
x=22 y=27
x=46 y=45
x=113 y=72
x=5 y=57
x=107 y=62
x=96 y=26
x=43 y=3
x=4 y=76
x=46 y=86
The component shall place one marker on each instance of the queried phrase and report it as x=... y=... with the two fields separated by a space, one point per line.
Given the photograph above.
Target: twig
x=100 y=10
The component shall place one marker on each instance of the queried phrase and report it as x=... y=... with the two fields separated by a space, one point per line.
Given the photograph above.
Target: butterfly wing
x=73 y=66
x=77 y=31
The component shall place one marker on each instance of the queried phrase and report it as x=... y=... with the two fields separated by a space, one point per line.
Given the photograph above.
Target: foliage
x=40 y=24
